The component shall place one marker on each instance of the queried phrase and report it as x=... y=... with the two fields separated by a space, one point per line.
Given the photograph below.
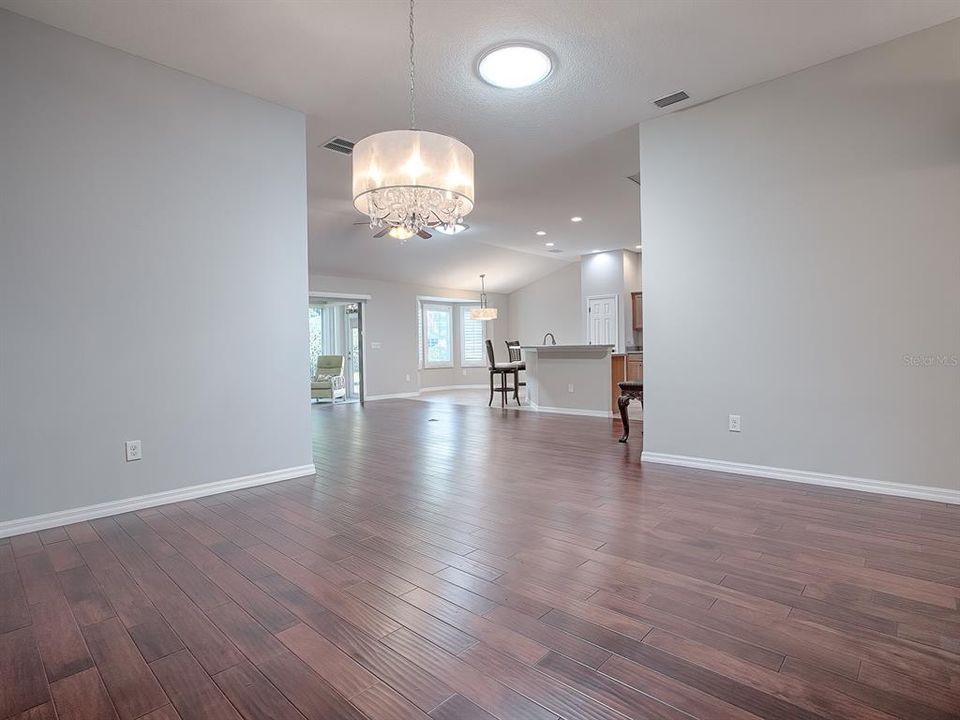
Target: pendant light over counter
x=483 y=312
x=410 y=180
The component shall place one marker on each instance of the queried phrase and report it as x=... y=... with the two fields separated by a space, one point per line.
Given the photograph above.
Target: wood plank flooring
x=464 y=563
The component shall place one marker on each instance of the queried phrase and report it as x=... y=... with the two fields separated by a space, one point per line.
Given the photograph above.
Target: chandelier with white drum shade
x=412 y=179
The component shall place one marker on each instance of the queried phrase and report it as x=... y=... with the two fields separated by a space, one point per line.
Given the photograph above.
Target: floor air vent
x=671 y=99
x=344 y=147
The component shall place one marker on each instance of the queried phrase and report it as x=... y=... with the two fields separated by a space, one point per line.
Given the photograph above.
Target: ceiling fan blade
x=383 y=232
x=424 y=234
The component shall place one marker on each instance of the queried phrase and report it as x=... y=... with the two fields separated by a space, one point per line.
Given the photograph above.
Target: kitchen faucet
x=553 y=340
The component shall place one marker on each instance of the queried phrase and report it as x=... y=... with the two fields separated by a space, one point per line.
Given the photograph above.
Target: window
x=419 y=336
x=437 y=336
x=472 y=337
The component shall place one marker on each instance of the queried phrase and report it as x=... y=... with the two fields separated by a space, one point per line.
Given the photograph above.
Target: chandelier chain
x=413 y=110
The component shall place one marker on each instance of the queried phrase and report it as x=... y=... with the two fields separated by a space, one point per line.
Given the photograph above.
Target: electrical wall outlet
x=464 y=372
x=408 y=377
x=132 y=450
x=734 y=423
x=375 y=346
x=570 y=387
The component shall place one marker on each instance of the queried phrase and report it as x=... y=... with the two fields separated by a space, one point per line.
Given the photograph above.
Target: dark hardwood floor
x=462 y=563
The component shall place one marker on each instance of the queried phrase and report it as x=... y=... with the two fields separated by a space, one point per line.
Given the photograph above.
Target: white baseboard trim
x=371 y=398
x=116 y=507
x=395 y=396
x=943 y=495
x=568 y=411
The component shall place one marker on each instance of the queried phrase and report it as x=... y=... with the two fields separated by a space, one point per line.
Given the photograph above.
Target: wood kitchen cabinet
x=618 y=373
x=627 y=366
x=637 y=303
x=634 y=367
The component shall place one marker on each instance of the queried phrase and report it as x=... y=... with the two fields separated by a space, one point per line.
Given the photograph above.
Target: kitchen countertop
x=565 y=347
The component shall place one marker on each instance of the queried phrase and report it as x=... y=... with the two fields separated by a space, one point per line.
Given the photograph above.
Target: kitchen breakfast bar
x=573 y=379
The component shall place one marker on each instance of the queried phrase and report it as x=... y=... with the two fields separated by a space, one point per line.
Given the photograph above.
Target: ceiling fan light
x=401 y=232
x=453 y=229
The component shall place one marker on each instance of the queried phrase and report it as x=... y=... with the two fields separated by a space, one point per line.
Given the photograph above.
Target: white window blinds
x=472 y=337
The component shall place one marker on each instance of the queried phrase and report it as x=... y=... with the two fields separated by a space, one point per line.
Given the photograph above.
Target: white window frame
x=464 y=318
x=442 y=307
x=419 y=334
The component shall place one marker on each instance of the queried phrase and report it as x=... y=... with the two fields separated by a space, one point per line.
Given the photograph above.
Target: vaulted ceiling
x=543 y=154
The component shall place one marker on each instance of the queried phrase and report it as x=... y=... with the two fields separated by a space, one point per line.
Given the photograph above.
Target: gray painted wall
x=802 y=269
x=612 y=272
x=153 y=274
x=391 y=323
x=557 y=303
x=632 y=282
x=550 y=304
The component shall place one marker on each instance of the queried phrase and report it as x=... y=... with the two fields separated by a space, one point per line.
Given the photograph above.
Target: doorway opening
x=336 y=350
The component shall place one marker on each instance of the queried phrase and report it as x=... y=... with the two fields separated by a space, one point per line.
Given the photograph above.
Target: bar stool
x=513 y=350
x=502 y=369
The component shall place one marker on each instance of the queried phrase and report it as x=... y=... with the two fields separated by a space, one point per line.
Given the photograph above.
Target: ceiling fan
x=401 y=233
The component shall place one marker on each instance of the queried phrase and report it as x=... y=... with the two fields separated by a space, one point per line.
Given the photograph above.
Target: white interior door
x=602 y=311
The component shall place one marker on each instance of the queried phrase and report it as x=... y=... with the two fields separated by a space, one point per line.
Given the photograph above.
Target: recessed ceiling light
x=549 y=244
x=541 y=233
x=514 y=65
x=451 y=229
x=576 y=218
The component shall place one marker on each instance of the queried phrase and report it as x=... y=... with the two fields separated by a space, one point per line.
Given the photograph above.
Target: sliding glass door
x=336 y=348
x=353 y=314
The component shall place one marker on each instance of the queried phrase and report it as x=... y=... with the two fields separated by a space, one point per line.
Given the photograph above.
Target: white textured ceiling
x=543 y=154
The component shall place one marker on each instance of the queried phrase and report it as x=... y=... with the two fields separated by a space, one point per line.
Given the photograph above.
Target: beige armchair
x=328 y=382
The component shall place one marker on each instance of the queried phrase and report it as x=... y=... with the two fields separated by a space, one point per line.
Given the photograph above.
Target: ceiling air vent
x=635 y=178
x=671 y=99
x=344 y=147
x=554 y=250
